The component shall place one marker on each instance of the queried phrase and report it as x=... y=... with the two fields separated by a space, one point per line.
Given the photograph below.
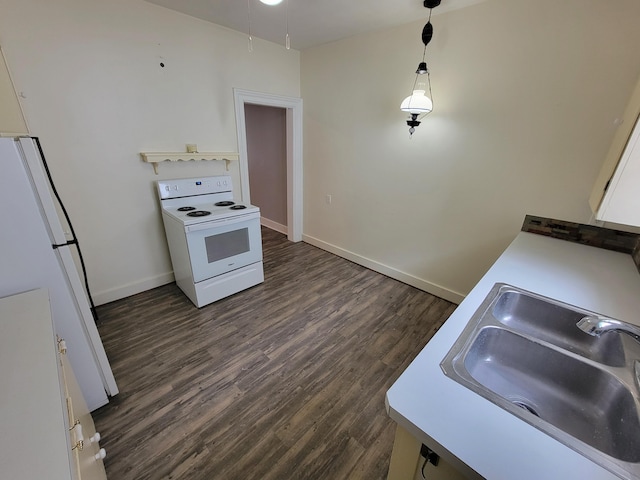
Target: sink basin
x=553 y=322
x=524 y=353
x=526 y=374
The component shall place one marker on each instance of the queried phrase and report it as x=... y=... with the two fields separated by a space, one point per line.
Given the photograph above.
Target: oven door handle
x=221 y=223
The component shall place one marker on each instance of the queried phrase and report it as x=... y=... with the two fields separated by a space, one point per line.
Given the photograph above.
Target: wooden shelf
x=156 y=157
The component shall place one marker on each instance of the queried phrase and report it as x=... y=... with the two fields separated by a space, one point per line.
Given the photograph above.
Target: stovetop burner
x=198 y=213
x=200 y=201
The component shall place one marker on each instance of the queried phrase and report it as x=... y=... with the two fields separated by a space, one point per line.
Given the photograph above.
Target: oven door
x=220 y=246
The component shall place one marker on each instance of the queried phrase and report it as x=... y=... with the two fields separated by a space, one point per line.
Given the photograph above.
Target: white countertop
x=34 y=442
x=492 y=441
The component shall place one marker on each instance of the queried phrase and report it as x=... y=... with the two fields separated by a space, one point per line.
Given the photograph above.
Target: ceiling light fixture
x=418 y=104
x=271 y=2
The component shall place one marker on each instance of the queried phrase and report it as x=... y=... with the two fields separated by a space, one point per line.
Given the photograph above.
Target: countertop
x=496 y=444
x=34 y=441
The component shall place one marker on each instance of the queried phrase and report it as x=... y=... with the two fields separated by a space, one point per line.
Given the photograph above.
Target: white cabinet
x=46 y=425
x=621 y=202
x=12 y=120
x=85 y=441
x=615 y=196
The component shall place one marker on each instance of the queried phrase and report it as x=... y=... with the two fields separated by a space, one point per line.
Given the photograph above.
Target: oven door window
x=220 y=247
x=227 y=245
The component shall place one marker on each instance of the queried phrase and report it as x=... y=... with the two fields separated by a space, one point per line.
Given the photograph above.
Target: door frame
x=293 y=106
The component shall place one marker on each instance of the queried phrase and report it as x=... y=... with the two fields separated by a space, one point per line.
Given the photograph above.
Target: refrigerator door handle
x=66 y=244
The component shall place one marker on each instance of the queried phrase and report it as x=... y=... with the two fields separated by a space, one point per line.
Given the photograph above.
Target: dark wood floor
x=283 y=381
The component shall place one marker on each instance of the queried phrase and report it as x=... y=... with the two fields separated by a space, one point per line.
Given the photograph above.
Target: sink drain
x=526 y=407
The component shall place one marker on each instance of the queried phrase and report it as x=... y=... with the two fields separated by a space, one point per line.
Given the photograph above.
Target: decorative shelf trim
x=156 y=157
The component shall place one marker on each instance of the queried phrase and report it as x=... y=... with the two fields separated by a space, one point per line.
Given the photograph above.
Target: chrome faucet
x=596 y=325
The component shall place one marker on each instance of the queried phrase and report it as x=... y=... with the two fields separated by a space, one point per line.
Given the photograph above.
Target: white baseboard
x=112 y=294
x=432 y=288
x=274 y=225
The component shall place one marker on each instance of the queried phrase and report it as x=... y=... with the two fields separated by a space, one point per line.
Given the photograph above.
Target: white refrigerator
x=31 y=228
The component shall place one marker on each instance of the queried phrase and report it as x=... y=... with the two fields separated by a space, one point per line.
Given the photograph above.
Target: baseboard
x=274 y=225
x=432 y=288
x=112 y=294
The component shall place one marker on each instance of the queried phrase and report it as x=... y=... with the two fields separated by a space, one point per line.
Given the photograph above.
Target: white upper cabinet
x=12 y=121
x=621 y=202
x=616 y=196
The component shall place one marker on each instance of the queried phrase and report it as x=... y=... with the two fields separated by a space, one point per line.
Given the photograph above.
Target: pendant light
x=271 y=2
x=419 y=104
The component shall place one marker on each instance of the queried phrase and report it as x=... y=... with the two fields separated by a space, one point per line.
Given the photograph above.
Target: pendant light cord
x=250 y=45
x=287 y=42
x=424 y=54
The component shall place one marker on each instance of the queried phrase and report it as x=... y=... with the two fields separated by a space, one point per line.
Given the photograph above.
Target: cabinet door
x=88 y=467
x=11 y=119
x=621 y=203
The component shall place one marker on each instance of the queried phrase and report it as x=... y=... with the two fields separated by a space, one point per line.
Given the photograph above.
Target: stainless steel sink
x=525 y=353
x=554 y=322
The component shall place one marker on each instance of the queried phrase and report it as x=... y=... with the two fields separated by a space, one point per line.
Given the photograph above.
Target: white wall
x=525 y=94
x=97 y=96
x=525 y=99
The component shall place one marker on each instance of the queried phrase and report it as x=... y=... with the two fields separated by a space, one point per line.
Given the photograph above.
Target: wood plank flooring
x=283 y=381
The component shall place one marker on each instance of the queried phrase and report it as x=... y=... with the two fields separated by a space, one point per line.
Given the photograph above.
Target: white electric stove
x=214 y=242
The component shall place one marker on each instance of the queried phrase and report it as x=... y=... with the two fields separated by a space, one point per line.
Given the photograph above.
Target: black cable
x=426 y=460
x=74 y=239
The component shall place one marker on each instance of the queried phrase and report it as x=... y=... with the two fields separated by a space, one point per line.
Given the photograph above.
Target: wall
x=267 y=158
x=96 y=96
x=525 y=98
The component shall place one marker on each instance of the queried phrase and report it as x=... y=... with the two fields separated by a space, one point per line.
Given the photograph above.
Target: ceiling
x=311 y=22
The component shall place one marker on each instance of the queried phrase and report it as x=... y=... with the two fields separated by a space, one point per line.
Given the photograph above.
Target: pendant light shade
x=417 y=103
x=271 y=2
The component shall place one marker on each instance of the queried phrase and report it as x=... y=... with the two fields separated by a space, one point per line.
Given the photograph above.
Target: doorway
x=293 y=119
x=267 y=158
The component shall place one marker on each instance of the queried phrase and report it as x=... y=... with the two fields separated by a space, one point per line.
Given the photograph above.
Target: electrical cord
x=74 y=239
x=429 y=457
